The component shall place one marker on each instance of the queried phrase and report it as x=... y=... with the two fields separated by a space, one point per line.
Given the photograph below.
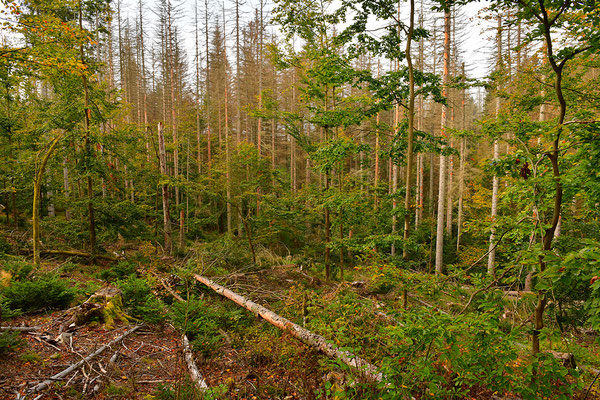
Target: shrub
x=200 y=322
x=44 y=292
x=5 y=246
x=10 y=341
x=18 y=270
x=140 y=302
x=121 y=270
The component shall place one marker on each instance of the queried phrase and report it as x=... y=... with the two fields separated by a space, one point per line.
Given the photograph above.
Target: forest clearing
x=299 y=199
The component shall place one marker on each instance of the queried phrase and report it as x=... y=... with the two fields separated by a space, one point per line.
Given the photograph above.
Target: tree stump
x=105 y=306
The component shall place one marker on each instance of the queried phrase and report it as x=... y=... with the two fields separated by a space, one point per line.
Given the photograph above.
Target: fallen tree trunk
x=43 y=385
x=368 y=370
x=76 y=253
x=194 y=372
x=20 y=328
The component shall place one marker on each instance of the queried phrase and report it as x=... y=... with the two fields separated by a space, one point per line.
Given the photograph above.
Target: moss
x=113 y=312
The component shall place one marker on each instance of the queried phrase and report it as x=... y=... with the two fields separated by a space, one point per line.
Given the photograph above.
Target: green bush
x=223 y=254
x=201 y=321
x=10 y=341
x=121 y=270
x=19 y=270
x=140 y=302
x=5 y=246
x=44 y=292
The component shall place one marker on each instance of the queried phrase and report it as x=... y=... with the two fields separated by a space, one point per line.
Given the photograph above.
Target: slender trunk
x=168 y=243
x=207 y=88
x=411 y=129
x=491 y=267
x=439 y=246
x=37 y=184
x=88 y=145
x=226 y=136
x=553 y=155
x=461 y=167
x=67 y=191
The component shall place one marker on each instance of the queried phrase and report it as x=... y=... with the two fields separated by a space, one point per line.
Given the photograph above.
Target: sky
x=475 y=48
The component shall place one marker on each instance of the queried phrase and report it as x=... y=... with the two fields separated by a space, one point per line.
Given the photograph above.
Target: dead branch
x=368 y=370
x=43 y=385
x=194 y=372
x=75 y=253
x=20 y=328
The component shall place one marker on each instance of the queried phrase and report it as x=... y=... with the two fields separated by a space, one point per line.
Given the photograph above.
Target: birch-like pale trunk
x=226 y=133
x=439 y=244
x=461 y=167
x=66 y=188
x=318 y=342
x=491 y=266
x=162 y=156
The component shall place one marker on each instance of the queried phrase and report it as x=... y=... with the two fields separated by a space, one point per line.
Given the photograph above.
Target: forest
x=299 y=199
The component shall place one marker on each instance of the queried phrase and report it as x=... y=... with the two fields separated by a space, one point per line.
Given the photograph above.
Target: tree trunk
x=411 y=129
x=491 y=267
x=439 y=246
x=37 y=184
x=168 y=243
x=363 y=367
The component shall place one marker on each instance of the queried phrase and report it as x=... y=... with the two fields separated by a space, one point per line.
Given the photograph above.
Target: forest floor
x=249 y=359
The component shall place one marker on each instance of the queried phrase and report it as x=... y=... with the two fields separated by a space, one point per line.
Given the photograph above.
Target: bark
x=88 y=146
x=37 y=183
x=461 y=167
x=162 y=154
x=318 y=342
x=439 y=245
x=207 y=88
x=195 y=374
x=227 y=142
x=411 y=129
x=491 y=268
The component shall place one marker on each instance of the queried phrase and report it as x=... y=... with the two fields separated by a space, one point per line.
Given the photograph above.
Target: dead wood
x=61 y=375
x=318 y=342
x=20 y=328
x=75 y=253
x=106 y=305
x=194 y=372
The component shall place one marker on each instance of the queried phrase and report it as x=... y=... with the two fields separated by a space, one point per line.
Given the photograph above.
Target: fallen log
x=43 y=385
x=20 y=328
x=368 y=370
x=75 y=253
x=194 y=372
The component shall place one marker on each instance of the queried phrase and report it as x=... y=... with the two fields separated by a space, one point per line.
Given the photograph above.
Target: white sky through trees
x=475 y=47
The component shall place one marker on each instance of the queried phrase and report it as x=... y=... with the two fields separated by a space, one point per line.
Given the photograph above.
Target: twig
x=475 y=293
x=43 y=385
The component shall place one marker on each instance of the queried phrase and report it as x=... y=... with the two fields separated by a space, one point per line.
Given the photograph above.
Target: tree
x=547 y=18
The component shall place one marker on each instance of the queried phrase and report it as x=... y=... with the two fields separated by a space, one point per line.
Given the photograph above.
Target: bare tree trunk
x=88 y=145
x=162 y=154
x=491 y=267
x=411 y=129
x=37 y=183
x=461 y=167
x=227 y=150
x=439 y=246
x=207 y=88
x=66 y=188
x=363 y=367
